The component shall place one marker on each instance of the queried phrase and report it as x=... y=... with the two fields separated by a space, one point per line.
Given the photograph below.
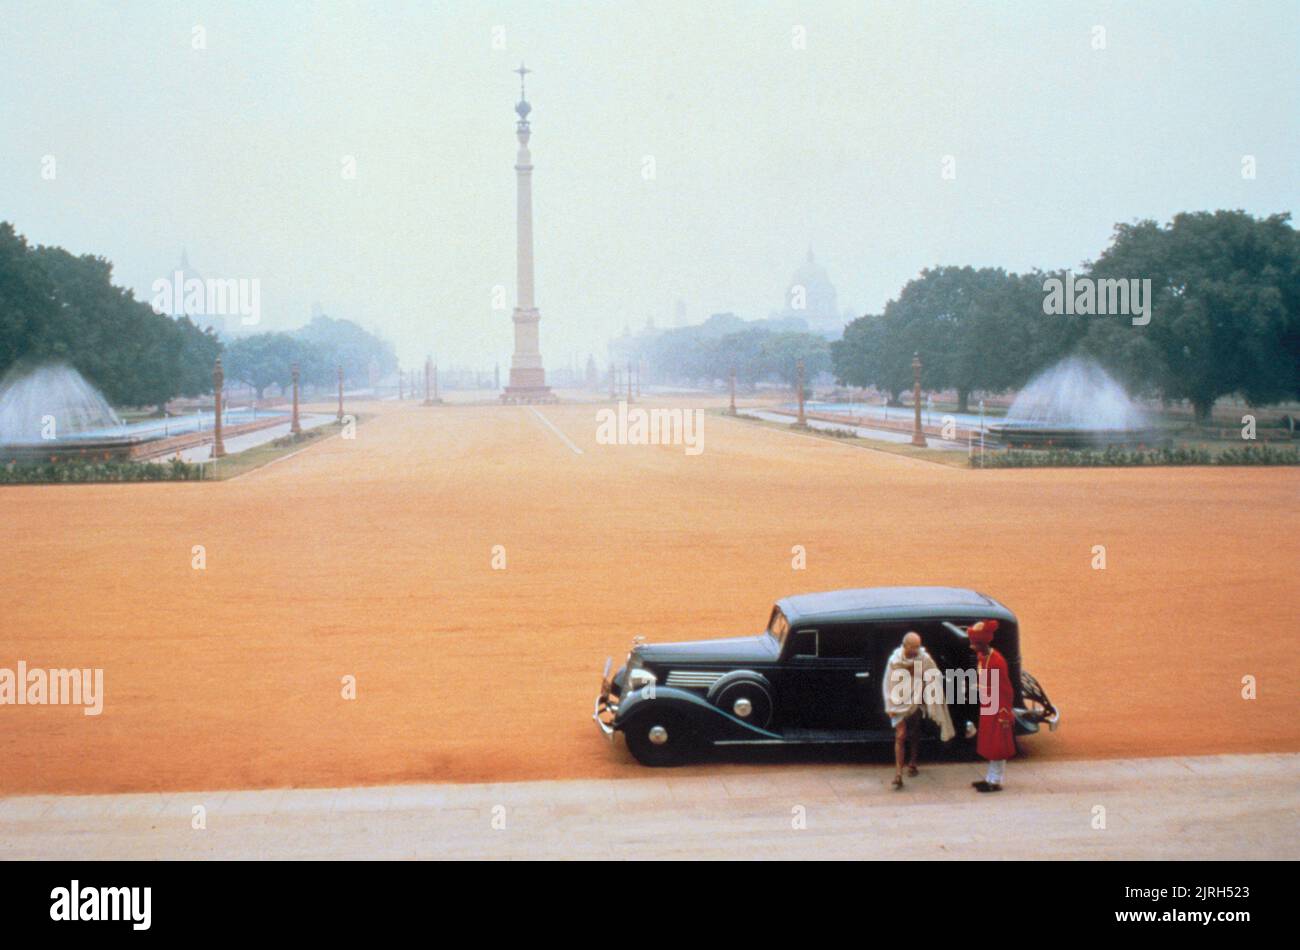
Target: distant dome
x=818 y=293
x=523 y=108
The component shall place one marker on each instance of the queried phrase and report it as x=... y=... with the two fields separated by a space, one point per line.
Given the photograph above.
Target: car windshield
x=778 y=627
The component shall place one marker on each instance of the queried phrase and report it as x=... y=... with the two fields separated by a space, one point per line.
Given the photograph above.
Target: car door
x=828 y=681
x=952 y=652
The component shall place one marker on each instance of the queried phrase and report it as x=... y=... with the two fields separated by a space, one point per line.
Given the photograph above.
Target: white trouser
x=996 y=769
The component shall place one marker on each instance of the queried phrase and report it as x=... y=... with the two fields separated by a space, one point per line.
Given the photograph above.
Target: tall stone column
x=527 y=377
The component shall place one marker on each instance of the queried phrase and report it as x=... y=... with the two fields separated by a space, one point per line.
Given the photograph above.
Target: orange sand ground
x=372 y=557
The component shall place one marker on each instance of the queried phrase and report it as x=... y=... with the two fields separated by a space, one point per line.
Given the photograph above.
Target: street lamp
x=295 y=427
x=918 y=436
x=218 y=381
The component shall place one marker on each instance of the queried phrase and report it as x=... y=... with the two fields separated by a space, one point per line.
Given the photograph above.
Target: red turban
x=983 y=631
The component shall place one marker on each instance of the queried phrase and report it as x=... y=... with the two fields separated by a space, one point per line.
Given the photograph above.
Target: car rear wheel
x=660 y=737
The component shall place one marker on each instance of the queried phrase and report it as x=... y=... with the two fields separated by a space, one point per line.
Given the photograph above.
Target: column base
x=527 y=385
x=523 y=395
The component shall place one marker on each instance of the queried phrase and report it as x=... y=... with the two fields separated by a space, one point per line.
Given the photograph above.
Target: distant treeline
x=1221 y=316
x=319 y=349
x=710 y=351
x=55 y=306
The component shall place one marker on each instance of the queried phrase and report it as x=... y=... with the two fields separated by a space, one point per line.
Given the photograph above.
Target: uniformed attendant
x=997 y=740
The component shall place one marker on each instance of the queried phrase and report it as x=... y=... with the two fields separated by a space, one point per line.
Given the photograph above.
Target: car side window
x=804 y=644
x=843 y=643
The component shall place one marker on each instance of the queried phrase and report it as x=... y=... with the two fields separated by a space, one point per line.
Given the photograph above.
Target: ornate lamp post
x=918 y=436
x=613 y=383
x=340 y=393
x=218 y=380
x=295 y=427
x=431 y=397
x=629 y=382
x=731 y=410
x=802 y=422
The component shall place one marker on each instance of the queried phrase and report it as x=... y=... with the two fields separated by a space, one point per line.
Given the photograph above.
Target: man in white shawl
x=913 y=687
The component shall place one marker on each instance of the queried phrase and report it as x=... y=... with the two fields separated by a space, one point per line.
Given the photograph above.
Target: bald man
x=909 y=670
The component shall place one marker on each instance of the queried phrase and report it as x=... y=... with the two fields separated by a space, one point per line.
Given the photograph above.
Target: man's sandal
x=898 y=782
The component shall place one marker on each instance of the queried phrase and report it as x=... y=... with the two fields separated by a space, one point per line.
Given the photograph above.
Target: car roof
x=891 y=603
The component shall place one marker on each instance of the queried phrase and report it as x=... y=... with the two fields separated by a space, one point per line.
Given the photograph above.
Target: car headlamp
x=638 y=678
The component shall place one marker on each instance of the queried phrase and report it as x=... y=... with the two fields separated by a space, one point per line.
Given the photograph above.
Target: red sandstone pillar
x=340 y=393
x=918 y=436
x=295 y=428
x=218 y=382
x=802 y=423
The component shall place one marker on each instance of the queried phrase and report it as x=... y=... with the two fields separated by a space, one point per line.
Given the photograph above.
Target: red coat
x=997 y=725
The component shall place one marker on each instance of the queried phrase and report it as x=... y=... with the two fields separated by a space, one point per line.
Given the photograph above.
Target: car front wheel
x=660 y=737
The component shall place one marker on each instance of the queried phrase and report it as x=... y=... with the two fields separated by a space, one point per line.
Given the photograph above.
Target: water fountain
x=1074 y=404
x=49 y=412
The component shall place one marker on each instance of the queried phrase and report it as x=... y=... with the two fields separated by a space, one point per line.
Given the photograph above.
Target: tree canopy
x=57 y=306
x=1224 y=318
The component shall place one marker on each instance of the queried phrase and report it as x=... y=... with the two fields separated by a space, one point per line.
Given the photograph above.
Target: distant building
x=180 y=279
x=811 y=297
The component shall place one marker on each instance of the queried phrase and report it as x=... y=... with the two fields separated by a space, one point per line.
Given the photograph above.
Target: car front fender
x=714 y=724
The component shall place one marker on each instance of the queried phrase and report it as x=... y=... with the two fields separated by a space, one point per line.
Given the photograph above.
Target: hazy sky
x=760 y=147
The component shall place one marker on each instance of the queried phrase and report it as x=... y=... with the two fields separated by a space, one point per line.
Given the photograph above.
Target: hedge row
x=1114 y=457
x=46 y=473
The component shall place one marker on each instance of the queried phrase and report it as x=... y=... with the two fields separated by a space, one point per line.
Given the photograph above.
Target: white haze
x=234 y=152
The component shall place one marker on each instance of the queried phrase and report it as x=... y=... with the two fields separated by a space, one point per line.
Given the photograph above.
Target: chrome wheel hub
x=743 y=707
x=658 y=735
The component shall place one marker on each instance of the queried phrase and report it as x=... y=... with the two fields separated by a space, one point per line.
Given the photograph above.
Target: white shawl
x=905 y=688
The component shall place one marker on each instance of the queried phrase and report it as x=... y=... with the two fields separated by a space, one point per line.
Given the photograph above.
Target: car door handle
x=862 y=676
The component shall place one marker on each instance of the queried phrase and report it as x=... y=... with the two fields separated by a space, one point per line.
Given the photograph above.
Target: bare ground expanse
x=372 y=557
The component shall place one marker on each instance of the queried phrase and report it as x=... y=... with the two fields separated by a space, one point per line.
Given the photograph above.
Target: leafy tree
x=260 y=360
x=58 y=306
x=1225 y=305
x=27 y=302
x=780 y=352
x=343 y=343
x=741 y=351
x=856 y=356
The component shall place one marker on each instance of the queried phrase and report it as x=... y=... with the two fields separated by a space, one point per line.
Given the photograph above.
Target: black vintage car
x=813 y=676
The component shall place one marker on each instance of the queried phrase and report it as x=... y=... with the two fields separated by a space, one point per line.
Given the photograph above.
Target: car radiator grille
x=687 y=679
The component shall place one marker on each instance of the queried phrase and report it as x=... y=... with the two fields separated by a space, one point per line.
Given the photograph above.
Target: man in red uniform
x=997 y=741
